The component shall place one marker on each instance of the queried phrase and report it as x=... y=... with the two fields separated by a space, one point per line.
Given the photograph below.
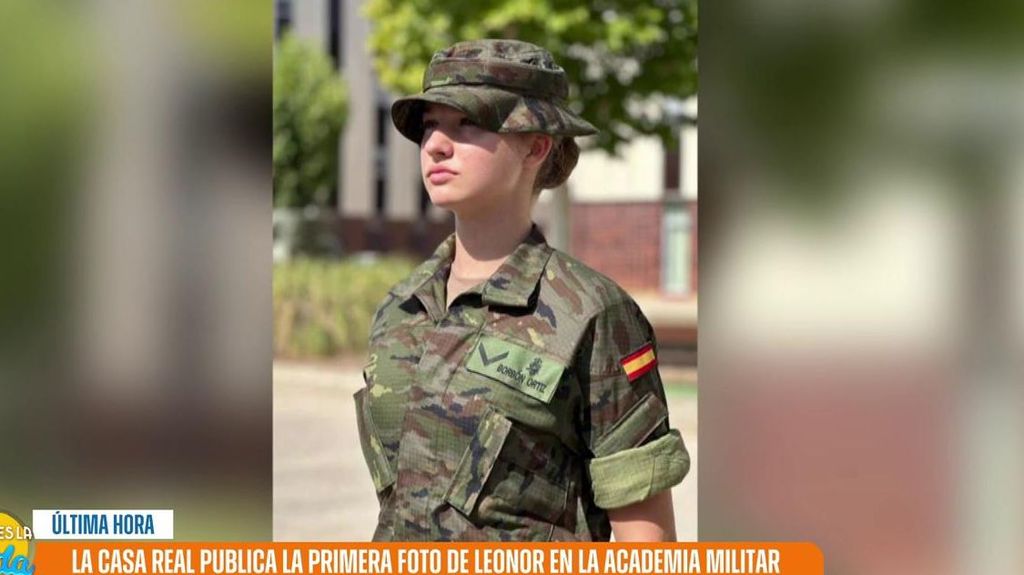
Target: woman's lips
x=438 y=177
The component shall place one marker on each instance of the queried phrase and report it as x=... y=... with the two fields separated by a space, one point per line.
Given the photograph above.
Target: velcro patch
x=517 y=367
x=639 y=362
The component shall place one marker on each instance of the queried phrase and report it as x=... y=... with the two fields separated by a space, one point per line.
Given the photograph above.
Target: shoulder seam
x=621 y=295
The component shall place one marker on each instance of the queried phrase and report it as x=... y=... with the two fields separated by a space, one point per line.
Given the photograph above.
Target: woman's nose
x=437 y=143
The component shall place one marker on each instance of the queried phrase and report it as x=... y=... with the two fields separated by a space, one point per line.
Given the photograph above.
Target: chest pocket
x=510 y=482
x=518 y=367
x=373 y=449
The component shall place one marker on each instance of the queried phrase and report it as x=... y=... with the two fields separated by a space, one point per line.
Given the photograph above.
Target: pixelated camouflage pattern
x=457 y=455
x=502 y=85
x=517 y=66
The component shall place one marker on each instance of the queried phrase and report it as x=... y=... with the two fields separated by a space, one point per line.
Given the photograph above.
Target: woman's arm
x=649 y=520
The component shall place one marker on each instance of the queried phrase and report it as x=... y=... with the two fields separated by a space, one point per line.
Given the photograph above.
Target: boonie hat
x=501 y=85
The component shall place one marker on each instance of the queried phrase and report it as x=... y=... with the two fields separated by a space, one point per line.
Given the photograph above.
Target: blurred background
x=352 y=217
x=145 y=149
x=135 y=330
x=861 y=279
x=860 y=240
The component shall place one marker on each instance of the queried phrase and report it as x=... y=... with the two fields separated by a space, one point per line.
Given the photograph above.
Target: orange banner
x=66 y=557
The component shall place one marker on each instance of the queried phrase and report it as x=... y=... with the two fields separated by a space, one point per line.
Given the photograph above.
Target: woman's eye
x=467 y=122
x=429 y=124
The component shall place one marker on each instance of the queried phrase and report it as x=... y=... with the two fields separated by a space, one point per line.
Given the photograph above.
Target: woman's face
x=467 y=168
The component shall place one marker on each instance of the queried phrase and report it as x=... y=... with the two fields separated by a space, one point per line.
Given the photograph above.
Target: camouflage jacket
x=522 y=412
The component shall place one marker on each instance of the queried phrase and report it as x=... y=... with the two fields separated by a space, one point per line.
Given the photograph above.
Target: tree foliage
x=50 y=79
x=309 y=112
x=627 y=60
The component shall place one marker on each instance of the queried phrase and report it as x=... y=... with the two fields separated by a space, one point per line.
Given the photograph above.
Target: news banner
x=142 y=541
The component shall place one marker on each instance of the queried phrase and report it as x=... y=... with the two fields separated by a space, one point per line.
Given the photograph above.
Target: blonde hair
x=558 y=165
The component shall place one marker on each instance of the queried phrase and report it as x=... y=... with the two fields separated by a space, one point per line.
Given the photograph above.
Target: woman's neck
x=483 y=244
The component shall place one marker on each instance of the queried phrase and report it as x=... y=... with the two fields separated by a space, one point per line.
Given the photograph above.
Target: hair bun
x=558 y=165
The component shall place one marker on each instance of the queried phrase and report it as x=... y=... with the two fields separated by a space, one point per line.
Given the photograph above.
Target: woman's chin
x=445 y=198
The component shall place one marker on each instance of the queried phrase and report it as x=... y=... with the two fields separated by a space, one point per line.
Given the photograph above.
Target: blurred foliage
x=324 y=308
x=44 y=118
x=814 y=99
x=625 y=60
x=230 y=33
x=310 y=103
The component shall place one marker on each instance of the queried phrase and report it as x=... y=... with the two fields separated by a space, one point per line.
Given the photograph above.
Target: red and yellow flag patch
x=639 y=362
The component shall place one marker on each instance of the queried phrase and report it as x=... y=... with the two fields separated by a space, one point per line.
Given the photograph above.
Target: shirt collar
x=516 y=280
x=511 y=285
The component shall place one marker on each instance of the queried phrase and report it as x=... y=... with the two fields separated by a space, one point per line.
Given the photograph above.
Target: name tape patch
x=517 y=367
x=639 y=362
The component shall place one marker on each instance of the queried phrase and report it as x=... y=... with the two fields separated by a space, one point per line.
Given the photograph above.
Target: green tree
x=625 y=58
x=309 y=112
x=50 y=88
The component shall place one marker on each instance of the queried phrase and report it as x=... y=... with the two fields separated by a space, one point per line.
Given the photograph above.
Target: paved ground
x=322 y=490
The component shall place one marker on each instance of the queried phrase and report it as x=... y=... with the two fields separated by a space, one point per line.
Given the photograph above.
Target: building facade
x=632 y=217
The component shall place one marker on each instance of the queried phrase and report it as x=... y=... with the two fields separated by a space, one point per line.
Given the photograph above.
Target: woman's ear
x=540 y=147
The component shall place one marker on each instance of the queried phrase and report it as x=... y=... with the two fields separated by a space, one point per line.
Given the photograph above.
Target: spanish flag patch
x=639 y=362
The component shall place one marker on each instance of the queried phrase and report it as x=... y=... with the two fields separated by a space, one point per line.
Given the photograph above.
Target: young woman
x=511 y=391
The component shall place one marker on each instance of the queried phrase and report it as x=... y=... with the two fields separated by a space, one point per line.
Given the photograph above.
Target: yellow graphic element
x=13 y=532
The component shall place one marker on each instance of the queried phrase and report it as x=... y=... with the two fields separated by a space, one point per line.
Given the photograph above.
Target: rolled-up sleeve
x=634 y=454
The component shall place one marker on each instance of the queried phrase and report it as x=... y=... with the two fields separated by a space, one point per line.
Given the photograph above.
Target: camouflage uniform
x=521 y=412
x=503 y=85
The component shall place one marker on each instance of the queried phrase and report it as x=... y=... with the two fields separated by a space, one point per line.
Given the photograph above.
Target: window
x=672 y=161
x=282 y=17
x=676 y=253
x=424 y=199
x=334 y=31
x=383 y=118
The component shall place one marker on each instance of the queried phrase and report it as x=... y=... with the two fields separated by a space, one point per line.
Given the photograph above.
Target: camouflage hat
x=502 y=85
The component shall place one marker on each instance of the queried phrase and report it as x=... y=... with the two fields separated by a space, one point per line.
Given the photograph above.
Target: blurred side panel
x=861 y=279
x=136 y=338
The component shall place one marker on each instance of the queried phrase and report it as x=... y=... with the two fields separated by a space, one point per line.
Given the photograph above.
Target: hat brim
x=492 y=108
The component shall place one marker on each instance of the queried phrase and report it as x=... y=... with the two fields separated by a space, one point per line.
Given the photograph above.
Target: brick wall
x=417 y=239
x=620 y=240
